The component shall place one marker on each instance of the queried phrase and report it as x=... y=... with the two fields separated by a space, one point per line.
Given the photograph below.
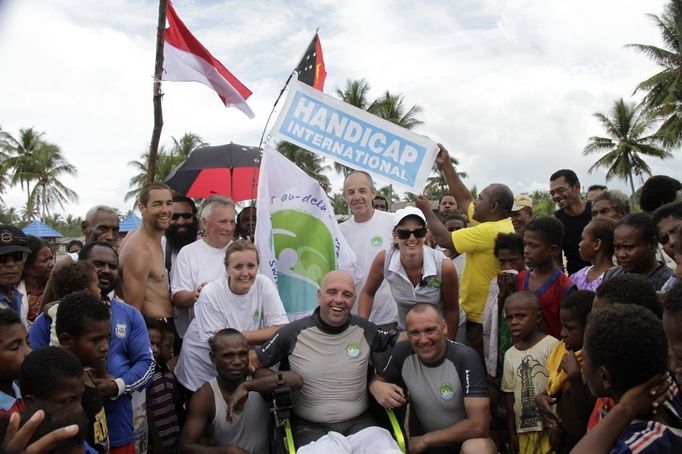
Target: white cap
x=402 y=213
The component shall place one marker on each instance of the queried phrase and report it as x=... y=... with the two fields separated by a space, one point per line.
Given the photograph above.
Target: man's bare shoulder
x=135 y=246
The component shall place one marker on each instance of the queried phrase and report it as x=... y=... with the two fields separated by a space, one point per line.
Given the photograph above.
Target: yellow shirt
x=478 y=242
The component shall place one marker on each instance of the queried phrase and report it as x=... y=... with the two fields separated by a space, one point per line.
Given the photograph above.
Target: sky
x=508 y=86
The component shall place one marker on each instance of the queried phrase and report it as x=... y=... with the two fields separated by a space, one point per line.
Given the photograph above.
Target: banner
x=355 y=138
x=297 y=236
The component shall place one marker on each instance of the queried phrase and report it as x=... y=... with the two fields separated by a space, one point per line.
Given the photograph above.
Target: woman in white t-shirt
x=243 y=300
x=415 y=272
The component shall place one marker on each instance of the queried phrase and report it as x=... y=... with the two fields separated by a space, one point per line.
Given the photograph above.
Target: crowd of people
x=483 y=327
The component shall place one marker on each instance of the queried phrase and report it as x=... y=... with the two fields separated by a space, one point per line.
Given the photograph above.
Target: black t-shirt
x=573 y=230
x=98 y=436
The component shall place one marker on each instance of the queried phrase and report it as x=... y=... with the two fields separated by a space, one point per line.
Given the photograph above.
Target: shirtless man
x=144 y=282
x=228 y=415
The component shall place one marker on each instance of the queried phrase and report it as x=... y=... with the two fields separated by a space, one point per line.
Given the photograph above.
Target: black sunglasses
x=185 y=216
x=403 y=234
x=15 y=256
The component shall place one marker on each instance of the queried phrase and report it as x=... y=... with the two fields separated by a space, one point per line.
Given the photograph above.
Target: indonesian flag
x=185 y=59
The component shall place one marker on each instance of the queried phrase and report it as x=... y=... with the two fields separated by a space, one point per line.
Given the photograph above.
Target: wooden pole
x=158 y=113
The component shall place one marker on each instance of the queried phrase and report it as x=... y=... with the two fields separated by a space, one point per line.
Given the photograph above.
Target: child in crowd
x=625 y=349
x=596 y=247
x=496 y=336
x=162 y=394
x=565 y=386
x=83 y=328
x=635 y=243
x=628 y=289
x=13 y=350
x=51 y=380
x=70 y=278
x=542 y=240
x=525 y=373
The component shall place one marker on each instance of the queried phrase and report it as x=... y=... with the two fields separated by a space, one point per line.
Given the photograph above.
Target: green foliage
x=626 y=143
x=36 y=166
x=311 y=163
x=389 y=106
x=543 y=205
x=166 y=162
x=663 y=99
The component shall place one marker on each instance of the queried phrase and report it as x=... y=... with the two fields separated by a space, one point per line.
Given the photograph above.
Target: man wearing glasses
x=13 y=253
x=203 y=260
x=574 y=214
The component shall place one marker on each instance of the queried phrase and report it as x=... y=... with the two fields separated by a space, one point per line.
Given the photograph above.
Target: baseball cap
x=402 y=213
x=12 y=239
x=521 y=201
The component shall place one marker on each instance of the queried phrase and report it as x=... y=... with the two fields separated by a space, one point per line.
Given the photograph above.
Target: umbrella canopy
x=130 y=222
x=230 y=170
x=42 y=230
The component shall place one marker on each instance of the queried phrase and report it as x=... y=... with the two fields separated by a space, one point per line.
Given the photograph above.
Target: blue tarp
x=42 y=230
x=130 y=222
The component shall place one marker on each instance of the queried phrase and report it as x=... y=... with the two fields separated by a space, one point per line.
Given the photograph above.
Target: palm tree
x=311 y=163
x=339 y=203
x=390 y=194
x=389 y=107
x=436 y=185
x=626 y=143
x=355 y=93
x=19 y=160
x=166 y=161
x=664 y=89
x=392 y=108
x=543 y=205
x=49 y=167
x=139 y=180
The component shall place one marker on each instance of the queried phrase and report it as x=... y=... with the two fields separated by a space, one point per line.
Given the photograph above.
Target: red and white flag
x=185 y=59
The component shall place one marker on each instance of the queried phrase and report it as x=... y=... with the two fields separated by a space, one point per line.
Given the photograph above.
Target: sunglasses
x=15 y=256
x=185 y=216
x=403 y=234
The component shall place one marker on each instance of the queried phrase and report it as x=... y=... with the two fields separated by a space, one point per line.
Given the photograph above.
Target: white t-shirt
x=367 y=239
x=196 y=263
x=219 y=308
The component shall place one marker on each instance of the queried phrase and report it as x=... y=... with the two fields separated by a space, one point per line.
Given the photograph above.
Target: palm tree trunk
x=158 y=113
x=632 y=189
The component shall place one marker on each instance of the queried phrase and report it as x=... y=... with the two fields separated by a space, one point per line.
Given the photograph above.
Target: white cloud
x=508 y=85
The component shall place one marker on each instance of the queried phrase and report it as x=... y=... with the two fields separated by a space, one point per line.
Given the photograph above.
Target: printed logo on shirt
x=353 y=350
x=447 y=391
x=436 y=283
x=121 y=330
x=256 y=315
x=100 y=432
x=377 y=242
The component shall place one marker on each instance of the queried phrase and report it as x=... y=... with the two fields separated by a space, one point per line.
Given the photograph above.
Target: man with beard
x=182 y=230
x=129 y=360
x=202 y=261
x=246 y=223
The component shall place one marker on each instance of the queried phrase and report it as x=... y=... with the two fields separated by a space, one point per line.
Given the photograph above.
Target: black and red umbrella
x=230 y=170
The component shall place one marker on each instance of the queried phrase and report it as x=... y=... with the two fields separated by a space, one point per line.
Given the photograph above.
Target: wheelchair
x=282 y=441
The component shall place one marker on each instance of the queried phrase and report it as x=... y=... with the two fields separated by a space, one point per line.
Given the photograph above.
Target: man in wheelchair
x=446 y=384
x=330 y=350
